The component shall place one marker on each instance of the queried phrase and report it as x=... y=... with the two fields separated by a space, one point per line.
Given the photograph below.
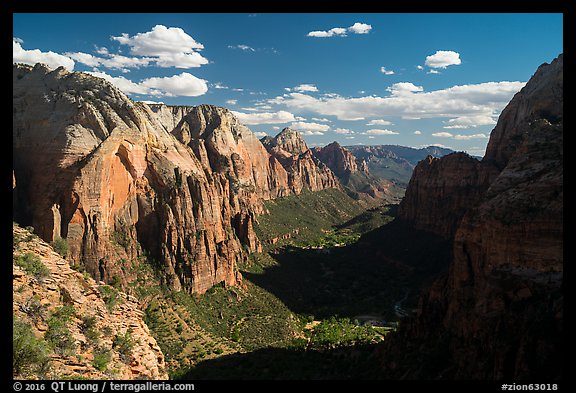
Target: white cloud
x=473 y=136
x=336 y=31
x=309 y=133
x=381 y=132
x=113 y=61
x=360 y=28
x=219 y=85
x=184 y=84
x=170 y=46
x=152 y=102
x=305 y=87
x=343 y=131
x=265 y=117
x=379 y=122
x=459 y=136
x=231 y=102
x=417 y=132
x=243 y=47
x=419 y=67
x=349 y=137
x=260 y=134
x=323 y=119
x=433 y=72
x=301 y=125
x=385 y=71
x=410 y=101
x=443 y=59
x=33 y=56
x=403 y=88
x=356 y=28
x=442 y=134
x=470 y=121
x=126 y=85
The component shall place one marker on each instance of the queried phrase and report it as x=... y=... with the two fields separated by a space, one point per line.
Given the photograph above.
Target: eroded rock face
x=441 y=190
x=36 y=299
x=340 y=160
x=305 y=171
x=498 y=314
x=111 y=177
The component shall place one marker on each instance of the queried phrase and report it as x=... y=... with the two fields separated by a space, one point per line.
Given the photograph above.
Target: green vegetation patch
x=32 y=264
x=30 y=354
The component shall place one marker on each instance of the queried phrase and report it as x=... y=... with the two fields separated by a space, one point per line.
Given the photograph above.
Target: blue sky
x=407 y=79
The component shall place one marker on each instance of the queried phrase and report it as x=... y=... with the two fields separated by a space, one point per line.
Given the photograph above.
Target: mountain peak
x=291 y=141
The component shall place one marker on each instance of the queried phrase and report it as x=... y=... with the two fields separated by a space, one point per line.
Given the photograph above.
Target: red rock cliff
x=498 y=313
x=116 y=178
x=305 y=171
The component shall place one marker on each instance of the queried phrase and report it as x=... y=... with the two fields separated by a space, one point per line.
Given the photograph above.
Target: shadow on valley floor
x=358 y=362
x=383 y=271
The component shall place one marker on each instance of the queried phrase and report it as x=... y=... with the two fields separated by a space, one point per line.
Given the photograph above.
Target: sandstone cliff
x=305 y=171
x=498 y=313
x=111 y=177
x=355 y=176
x=98 y=337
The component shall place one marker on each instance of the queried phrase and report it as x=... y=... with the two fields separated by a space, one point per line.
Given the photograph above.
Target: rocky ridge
x=305 y=171
x=93 y=327
x=498 y=313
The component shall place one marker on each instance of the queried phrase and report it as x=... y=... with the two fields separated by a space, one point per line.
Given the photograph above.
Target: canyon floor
x=327 y=290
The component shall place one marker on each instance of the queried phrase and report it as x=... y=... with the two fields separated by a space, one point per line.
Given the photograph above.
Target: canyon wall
x=498 y=313
x=120 y=179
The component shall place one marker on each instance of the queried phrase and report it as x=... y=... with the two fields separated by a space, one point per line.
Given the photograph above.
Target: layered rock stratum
x=498 y=314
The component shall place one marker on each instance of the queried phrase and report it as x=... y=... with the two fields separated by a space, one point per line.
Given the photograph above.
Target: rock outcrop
x=305 y=171
x=111 y=177
x=86 y=338
x=355 y=176
x=498 y=313
x=441 y=190
x=340 y=160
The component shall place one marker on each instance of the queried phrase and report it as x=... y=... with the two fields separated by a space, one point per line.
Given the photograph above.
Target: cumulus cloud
x=170 y=46
x=33 y=56
x=126 y=85
x=410 y=101
x=184 y=84
x=260 y=134
x=314 y=127
x=112 y=61
x=265 y=117
x=379 y=122
x=443 y=59
x=433 y=72
x=470 y=121
x=385 y=71
x=231 y=102
x=356 y=28
x=381 y=132
x=305 y=87
x=360 y=28
x=417 y=132
x=403 y=88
